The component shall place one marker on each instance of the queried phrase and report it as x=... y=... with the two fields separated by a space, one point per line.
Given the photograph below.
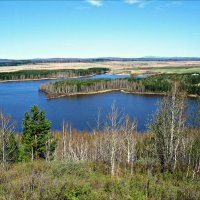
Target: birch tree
x=168 y=126
x=8 y=146
x=113 y=125
x=128 y=129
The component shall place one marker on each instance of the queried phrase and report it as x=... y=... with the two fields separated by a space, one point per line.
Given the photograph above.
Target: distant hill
x=12 y=62
x=6 y=60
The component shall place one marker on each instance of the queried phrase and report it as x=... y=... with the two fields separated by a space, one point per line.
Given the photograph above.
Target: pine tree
x=25 y=147
x=36 y=135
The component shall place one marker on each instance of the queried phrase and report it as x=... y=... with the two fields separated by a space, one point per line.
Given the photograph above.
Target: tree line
x=60 y=73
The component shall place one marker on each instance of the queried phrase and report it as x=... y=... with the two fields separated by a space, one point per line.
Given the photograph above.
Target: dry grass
x=134 y=67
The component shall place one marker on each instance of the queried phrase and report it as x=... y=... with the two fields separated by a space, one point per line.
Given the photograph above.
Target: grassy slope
x=81 y=180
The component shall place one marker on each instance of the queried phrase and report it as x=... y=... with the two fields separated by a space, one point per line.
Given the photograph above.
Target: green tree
x=37 y=140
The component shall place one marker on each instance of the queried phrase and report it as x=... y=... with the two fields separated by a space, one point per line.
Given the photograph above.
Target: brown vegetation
x=114 y=66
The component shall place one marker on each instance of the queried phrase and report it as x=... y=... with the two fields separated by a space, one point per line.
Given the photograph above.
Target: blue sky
x=95 y=28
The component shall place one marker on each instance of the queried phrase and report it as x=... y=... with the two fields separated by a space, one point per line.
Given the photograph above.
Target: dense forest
x=113 y=161
x=155 y=83
x=61 y=73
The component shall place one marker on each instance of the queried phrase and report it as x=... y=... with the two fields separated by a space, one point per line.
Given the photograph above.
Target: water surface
x=80 y=111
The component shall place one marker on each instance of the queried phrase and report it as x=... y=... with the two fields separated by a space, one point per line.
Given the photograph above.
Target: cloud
x=140 y=3
x=96 y=3
x=132 y=1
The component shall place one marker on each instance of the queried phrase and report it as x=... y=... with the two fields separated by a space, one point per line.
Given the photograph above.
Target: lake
x=80 y=111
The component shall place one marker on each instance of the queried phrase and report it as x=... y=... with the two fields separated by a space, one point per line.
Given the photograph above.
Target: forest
x=151 y=84
x=39 y=74
x=113 y=161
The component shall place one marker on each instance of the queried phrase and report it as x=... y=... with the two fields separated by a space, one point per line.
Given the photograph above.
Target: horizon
x=99 y=29
x=108 y=57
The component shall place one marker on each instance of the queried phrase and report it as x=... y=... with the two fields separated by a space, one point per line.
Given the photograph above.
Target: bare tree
x=113 y=144
x=113 y=132
x=168 y=127
x=7 y=140
x=64 y=146
x=128 y=130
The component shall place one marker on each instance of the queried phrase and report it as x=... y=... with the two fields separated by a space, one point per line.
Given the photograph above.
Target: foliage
x=37 y=141
x=87 y=180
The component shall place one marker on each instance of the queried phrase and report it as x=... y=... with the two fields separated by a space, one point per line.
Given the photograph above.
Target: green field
x=167 y=69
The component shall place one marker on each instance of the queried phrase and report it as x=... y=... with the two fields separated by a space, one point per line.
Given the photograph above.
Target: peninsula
x=156 y=84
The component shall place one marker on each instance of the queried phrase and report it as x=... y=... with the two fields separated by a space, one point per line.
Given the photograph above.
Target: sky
x=99 y=28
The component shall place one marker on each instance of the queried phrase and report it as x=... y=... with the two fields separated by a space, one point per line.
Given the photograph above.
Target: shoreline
x=49 y=96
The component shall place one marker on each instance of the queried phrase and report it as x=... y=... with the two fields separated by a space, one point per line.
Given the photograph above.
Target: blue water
x=80 y=111
x=111 y=76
